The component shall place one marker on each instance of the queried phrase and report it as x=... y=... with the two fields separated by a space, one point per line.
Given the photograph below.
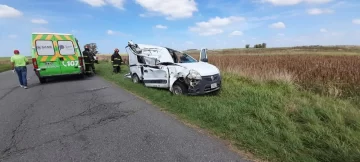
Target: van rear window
x=44 y=47
x=66 y=47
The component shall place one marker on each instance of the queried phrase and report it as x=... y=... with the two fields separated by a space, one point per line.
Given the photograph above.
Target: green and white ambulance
x=56 y=54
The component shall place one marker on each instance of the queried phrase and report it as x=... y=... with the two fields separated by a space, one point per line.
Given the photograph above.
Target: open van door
x=203 y=55
x=135 y=62
x=68 y=53
x=45 y=56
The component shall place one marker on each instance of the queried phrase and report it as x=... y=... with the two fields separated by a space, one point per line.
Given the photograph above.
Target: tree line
x=263 y=45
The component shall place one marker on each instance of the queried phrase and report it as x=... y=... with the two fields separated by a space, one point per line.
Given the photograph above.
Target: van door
x=203 y=55
x=135 y=64
x=46 y=59
x=155 y=76
x=68 y=51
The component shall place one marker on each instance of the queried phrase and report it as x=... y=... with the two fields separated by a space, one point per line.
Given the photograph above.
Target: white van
x=163 y=67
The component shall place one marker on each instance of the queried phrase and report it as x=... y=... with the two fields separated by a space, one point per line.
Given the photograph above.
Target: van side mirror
x=204 y=60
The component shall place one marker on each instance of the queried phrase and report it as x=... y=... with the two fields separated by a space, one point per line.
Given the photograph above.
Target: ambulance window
x=66 y=47
x=44 y=47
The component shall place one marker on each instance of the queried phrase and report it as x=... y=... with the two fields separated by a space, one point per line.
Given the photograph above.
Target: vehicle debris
x=163 y=67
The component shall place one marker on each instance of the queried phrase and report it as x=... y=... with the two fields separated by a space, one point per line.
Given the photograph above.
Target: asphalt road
x=93 y=120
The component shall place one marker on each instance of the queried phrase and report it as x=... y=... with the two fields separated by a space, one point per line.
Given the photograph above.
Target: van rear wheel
x=42 y=80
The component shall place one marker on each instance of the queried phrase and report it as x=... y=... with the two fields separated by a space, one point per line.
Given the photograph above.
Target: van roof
x=53 y=33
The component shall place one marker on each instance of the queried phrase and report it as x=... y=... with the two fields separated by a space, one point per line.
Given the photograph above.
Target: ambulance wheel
x=179 y=88
x=135 y=78
x=81 y=76
x=42 y=80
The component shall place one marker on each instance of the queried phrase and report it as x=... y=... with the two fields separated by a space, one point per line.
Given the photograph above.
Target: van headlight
x=193 y=78
x=194 y=75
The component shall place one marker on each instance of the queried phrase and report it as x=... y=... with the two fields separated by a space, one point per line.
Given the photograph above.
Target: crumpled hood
x=203 y=68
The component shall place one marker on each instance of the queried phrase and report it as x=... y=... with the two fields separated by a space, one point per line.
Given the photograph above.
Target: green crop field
x=5 y=63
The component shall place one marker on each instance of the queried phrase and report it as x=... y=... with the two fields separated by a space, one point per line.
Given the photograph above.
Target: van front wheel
x=135 y=78
x=179 y=89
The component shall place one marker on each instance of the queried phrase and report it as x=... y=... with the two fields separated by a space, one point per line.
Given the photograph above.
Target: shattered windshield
x=185 y=58
x=179 y=57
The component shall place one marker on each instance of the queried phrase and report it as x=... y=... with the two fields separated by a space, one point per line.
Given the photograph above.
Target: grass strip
x=5 y=67
x=272 y=120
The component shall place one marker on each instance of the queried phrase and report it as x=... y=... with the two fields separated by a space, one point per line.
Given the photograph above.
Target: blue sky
x=182 y=24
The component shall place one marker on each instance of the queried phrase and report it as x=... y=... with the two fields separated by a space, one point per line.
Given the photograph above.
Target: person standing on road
x=116 y=61
x=89 y=59
x=18 y=64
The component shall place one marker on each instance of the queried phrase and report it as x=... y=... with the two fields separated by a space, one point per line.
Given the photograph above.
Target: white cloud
x=161 y=27
x=172 y=9
x=323 y=30
x=111 y=32
x=356 y=21
x=12 y=36
x=281 y=34
x=39 y=21
x=318 y=11
x=294 y=2
x=9 y=12
x=99 y=3
x=214 y=25
x=278 y=25
x=95 y=3
x=236 y=33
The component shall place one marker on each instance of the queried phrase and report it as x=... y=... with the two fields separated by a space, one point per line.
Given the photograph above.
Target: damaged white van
x=163 y=67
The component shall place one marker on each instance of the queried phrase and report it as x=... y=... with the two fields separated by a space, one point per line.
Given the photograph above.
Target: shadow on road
x=61 y=79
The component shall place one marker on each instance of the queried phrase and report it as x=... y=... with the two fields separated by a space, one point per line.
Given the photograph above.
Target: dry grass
x=335 y=74
x=331 y=50
x=329 y=75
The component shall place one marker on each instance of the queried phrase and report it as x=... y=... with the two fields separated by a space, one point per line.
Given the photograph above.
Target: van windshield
x=180 y=57
x=185 y=58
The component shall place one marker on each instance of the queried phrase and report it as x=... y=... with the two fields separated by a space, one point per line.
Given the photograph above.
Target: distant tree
x=255 y=46
x=263 y=45
x=247 y=46
x=259 y=45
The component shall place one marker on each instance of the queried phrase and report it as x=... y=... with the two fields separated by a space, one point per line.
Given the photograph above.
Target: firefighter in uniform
x=116 y=61
x=89 y=60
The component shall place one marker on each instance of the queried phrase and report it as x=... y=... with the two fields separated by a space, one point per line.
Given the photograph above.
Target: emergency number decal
x=70 y=63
